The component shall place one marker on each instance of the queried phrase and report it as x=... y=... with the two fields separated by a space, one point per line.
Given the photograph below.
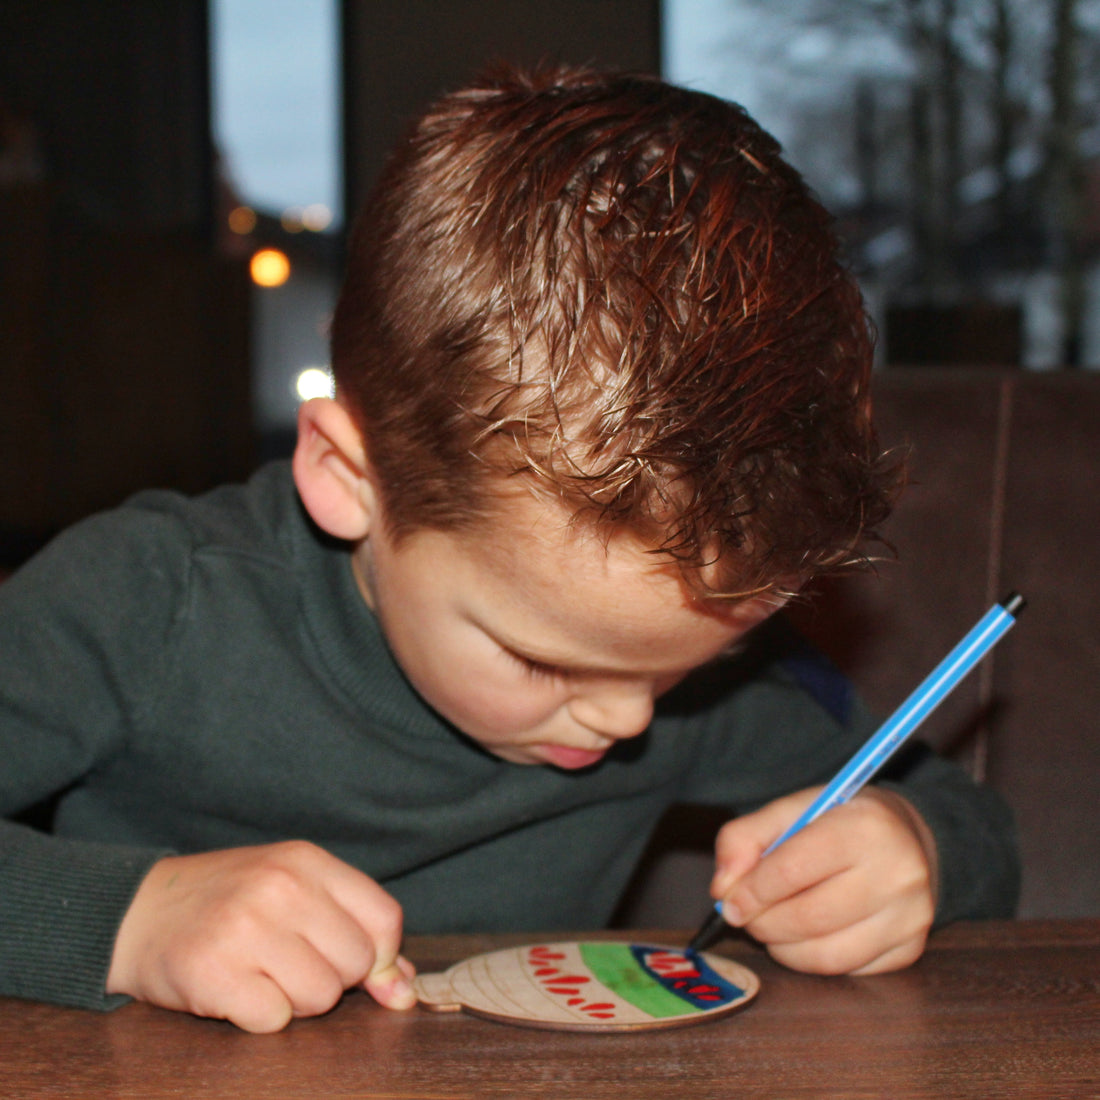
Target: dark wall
x=123 y=334
x=118 y=94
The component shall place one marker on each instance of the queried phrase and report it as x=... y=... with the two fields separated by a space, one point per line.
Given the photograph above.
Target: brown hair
x=618 y=290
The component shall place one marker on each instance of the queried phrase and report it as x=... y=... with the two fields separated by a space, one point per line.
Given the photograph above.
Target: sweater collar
x=348 y=637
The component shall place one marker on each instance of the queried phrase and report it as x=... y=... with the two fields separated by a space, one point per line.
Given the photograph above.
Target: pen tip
x=709 y=932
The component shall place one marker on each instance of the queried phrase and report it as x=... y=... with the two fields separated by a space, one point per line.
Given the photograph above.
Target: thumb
x=390 y=984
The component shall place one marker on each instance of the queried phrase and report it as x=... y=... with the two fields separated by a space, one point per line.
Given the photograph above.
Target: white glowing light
x=313 y=382
x=317 y=217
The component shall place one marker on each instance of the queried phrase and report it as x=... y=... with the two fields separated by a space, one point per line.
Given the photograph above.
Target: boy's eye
x=537 y=669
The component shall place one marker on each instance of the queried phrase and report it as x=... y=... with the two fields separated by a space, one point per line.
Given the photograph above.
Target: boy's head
x=615 y=294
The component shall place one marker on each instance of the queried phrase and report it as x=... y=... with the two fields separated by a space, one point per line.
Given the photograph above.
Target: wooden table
x=993 y=1010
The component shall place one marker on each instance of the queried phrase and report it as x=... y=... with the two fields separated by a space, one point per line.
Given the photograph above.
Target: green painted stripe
x=616 y=967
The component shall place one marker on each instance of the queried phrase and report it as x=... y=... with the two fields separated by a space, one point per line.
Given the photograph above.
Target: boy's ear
x=332 y=472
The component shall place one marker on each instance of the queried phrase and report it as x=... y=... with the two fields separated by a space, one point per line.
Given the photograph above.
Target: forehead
x=539 y=544
x=557 y=583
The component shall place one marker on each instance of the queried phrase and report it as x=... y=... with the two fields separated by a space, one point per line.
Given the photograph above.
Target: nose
x=613 y=709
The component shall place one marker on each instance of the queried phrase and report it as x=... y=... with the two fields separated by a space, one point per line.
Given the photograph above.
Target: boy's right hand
x=260 y=935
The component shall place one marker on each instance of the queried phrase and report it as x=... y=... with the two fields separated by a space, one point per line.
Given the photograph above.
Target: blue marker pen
x=891 y=735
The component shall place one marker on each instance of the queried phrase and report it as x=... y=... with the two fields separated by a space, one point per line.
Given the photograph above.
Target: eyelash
x=536 y=669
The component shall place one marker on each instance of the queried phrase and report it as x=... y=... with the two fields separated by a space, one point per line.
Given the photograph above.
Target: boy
x=601 y=409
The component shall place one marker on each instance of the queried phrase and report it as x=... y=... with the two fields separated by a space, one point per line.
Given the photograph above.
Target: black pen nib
x=709 y=933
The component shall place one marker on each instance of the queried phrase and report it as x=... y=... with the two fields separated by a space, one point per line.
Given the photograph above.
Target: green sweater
x=185 y=675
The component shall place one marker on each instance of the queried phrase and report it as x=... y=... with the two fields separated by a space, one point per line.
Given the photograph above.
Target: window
x=276 y=106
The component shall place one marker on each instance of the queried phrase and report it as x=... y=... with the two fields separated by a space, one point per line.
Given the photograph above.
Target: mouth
x=564 y=756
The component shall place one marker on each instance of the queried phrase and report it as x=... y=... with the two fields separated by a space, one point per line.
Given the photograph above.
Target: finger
x=341 y=939
x=335 y=927
x=741 y=842
x=252 y=1001
x=307 y=977
x=372 y=908
x=299 y=934
x=824 y=908
x=262 y=1009
x=263 y=980
x=869 y=862
x=392 y=986
x=388 y=978
x=875 y=850
x=358 y=918
x=871 y=946
x=895 y=958
x=805 y=862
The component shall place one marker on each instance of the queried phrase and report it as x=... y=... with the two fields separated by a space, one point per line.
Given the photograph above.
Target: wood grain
x=993 y=1009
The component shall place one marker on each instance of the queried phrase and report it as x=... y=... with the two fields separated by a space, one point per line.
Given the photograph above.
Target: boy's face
x=535 y=639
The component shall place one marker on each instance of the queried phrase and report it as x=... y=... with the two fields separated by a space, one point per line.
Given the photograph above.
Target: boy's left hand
x=852 y=893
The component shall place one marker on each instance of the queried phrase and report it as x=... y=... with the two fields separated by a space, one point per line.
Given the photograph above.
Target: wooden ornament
x=591 y=986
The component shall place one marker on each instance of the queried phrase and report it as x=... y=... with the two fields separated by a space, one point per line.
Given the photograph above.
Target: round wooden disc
x=591 y=986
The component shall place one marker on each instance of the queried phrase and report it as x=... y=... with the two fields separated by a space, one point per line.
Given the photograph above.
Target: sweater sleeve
x=979 y=869
x=84 y=629
x=61 y=903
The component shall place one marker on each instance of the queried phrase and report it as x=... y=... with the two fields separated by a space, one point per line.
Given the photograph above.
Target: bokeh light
x=242 y=220
x=269 y=267
x=317 y=217
x=313 y=382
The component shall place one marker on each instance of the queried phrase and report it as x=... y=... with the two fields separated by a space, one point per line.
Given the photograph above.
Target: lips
x=564 y=756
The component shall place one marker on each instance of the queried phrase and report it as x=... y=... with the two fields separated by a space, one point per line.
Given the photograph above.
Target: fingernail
x=402 y=994
x=720 y=883
x=732 y=915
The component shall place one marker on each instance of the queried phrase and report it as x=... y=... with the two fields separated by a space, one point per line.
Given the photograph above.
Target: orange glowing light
x=269 y=267
x=242 y=220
